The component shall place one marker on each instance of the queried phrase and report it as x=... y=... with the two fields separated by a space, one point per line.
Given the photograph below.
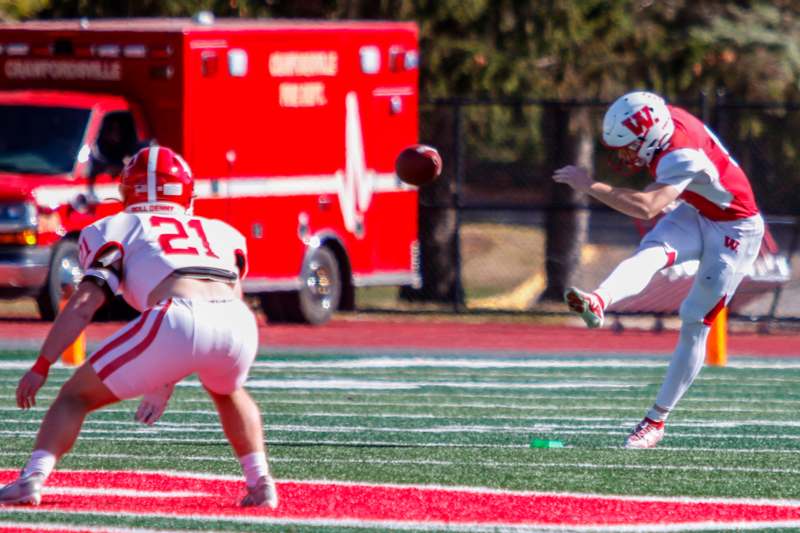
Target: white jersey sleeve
x=681 y=167
x=100 y=255
x=93 y=243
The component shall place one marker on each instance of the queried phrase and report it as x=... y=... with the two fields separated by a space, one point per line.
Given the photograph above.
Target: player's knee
x=222 y=396
x=73 y=399
x=712 y=275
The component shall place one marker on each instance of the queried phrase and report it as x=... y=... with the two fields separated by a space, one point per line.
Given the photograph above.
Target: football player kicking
x=183 y=272
x=717 y=223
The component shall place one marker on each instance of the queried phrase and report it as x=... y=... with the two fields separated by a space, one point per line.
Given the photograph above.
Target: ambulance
x=290 y=128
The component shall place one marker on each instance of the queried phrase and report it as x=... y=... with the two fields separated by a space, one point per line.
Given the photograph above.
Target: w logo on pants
x=731 y=243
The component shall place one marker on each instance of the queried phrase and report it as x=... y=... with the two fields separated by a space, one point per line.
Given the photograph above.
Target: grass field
x=449 y=421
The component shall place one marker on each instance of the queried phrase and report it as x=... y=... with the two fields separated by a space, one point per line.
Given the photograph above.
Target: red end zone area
x=206 y=498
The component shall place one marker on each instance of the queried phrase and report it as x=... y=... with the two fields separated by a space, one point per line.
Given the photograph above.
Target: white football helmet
x=638 y=124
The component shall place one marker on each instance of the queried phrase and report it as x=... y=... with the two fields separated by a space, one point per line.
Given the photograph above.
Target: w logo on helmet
x=640 y=122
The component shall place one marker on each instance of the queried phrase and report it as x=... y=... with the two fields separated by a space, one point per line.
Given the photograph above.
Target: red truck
x=290 y=128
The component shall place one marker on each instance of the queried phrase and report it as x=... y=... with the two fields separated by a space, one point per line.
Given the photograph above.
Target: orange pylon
x=75 y=352
x=717 y=346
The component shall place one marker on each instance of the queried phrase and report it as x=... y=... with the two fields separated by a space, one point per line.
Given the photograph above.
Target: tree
x=590 y=50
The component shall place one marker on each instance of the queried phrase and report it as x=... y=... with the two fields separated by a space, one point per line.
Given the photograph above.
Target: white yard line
x=555 y=422
x=436 y=462
x=517 y=397
x=128 y=493
x=276 y=441
x=406 y=526
x=270 y=403
x=152 y=436
x=453 y=362
x=149 y=455
x=49 y=526
x=488 y=363
x=526 y=423
x=376 y=384
x=477 y=363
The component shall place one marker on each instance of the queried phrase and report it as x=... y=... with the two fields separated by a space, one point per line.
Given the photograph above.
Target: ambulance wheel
x=272 y=303
x=64 y=270
x=319 y=294
x=115 y=310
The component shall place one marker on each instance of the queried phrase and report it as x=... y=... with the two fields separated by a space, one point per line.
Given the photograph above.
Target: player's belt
x=209 y=273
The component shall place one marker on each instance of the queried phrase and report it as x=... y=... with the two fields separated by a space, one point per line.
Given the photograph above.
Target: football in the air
x=418 y=165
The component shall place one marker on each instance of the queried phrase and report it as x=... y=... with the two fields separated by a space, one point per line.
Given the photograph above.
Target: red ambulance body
x=290 y=128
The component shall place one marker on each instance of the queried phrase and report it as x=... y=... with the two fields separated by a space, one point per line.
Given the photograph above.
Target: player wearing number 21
x=183 y=273
x=716 y=222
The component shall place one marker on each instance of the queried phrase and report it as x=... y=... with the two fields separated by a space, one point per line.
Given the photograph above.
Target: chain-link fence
x=485 y=225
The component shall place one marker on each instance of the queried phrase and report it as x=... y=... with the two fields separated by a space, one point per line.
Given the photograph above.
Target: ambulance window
x=116 y=141
x=237 y=62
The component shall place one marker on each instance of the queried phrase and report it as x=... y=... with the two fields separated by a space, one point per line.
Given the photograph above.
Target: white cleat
x=646 y=435
x=23 y=491
x=587 y=305
x=263 y=494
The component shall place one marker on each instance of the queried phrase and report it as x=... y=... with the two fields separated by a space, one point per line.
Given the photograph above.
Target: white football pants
x=216 y=339
x=726 y=250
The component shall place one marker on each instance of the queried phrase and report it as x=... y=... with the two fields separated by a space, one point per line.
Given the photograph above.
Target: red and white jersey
x=697 y=164
x=156 y=239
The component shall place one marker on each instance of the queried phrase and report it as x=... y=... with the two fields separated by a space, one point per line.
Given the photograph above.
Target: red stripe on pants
x=134 y=352
x=122 y=338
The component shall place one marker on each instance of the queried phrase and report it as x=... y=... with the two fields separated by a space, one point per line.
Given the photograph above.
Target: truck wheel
x=318 y=297
x=64 y=270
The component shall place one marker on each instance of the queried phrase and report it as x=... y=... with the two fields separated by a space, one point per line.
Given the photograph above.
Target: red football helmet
x=157 y=174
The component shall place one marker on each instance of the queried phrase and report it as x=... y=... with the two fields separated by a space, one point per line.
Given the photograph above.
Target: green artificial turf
x=449 y=421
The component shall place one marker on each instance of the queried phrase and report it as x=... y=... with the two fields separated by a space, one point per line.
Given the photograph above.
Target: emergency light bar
x=107 y=50
x=66 y=48
x=134 y=50
x=17 y=49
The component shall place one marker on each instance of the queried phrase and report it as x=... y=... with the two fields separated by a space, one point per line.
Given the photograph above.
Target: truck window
x=40 y=139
